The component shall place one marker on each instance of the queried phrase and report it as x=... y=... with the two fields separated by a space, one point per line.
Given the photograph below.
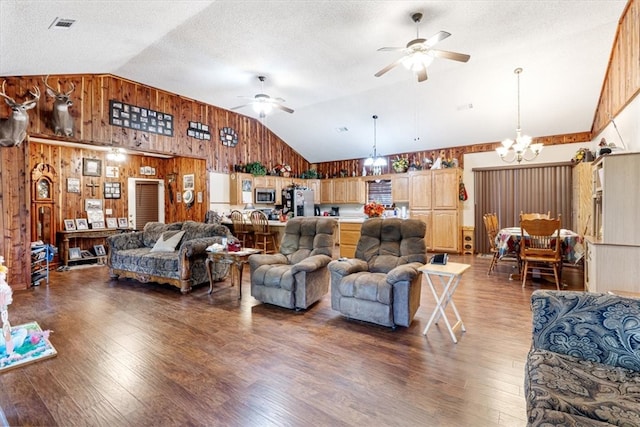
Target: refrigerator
x=298 y=200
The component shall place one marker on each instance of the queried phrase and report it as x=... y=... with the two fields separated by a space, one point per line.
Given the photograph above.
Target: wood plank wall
x=91 y=122
x=622 y=80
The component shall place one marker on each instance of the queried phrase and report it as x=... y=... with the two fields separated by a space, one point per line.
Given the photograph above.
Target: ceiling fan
x=262 y=103
x=419 y=53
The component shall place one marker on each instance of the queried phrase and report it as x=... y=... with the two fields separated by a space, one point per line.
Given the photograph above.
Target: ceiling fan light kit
x=263 y=104
x=521 y=148
x=419 y=53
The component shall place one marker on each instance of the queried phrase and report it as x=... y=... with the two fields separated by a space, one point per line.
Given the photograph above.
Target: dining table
x=508 y=241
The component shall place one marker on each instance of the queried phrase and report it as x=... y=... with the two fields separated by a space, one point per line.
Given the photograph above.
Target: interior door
x=146 y=201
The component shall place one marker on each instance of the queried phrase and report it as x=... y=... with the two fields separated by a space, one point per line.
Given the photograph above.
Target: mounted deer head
x=13 y=129
x=61 y=120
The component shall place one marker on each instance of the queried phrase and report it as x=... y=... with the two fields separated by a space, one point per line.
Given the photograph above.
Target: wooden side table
x=452 y=272
x=237 y=260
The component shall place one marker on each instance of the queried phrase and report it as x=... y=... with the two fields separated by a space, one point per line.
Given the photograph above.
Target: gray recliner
x=297 y=276
x=382 y=284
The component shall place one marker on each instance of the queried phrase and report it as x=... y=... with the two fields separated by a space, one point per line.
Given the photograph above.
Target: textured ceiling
x=321 y=56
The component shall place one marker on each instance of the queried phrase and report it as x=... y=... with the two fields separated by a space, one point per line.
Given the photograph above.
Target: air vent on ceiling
x=342 y=129
x=61 y=24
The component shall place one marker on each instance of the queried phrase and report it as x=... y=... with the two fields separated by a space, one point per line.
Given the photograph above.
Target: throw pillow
x=168 y=241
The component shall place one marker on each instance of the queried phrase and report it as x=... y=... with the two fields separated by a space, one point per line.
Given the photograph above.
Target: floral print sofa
x=583 y=368
x=130 y=254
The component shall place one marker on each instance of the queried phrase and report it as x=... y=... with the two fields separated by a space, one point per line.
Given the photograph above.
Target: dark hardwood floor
x=132 y=354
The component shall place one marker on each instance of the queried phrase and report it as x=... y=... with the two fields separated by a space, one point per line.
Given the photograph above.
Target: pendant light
x=374 y=161
x=522 y=148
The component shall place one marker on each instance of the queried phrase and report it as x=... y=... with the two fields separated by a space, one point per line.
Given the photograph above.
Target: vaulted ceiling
x=321 y=57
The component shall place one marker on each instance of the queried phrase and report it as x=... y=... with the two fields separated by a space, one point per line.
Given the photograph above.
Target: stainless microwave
x=265 y=195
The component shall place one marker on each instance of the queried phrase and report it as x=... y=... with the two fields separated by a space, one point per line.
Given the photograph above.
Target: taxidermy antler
x=13 y=129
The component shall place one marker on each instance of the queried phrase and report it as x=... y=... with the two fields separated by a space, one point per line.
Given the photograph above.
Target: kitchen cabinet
x=265 y=181
x=240 y=188
x=400 y=188
x=420 y=190
x=339 y=190
x=314 y=184
x=349 y=234
x=611 y=261
x=349 y=190
x=433 y=198
x=326 y=191
x=582 y=198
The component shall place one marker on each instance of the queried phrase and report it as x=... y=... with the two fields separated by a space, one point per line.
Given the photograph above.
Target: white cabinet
x=611 y=261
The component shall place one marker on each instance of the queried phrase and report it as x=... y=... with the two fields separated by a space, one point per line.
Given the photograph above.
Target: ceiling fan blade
x=240 y=106
x=450 y=55
x=437 y=37
x=283 y=108
x=388 y=67
x=422 y=74
x=390 y=49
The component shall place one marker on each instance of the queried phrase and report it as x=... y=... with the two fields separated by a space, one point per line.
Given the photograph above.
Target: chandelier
x=522 y=148
x=374 y=161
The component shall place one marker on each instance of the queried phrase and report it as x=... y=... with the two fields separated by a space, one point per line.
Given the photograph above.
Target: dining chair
x=241 y=229
x=264 y=237
x=540 y=247
x=492 y=228
x=535 y=215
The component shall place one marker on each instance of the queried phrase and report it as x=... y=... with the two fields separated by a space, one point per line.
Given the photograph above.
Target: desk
x=508 y=240
x=453 y=271
x=65 y=236
x=237 y=260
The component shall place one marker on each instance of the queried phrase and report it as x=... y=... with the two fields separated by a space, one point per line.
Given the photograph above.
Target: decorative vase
x=399 y=169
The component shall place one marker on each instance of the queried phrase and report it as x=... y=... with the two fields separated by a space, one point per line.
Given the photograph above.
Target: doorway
x=146 y=201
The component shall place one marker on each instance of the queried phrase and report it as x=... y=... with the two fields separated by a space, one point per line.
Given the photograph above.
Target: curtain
x=509 y=191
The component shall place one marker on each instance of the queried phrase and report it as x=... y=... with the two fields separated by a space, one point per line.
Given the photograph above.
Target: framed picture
x=91 y=167
x=112 y=171
x=69 y=225
x=82 y=224
x=188 y=182
x=112 y=190
x=85 y=254
x=73 y=185
x=99 y=250
x=97 y=225
x=112 y=223
x=123 y=223
x=75 y=253
x=95 y=215
x=147 y=170
x=92 y=204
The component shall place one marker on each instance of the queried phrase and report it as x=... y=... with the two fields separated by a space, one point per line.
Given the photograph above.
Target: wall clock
x=228 y=137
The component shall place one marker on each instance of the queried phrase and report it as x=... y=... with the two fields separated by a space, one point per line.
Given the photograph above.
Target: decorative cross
x=93 y=187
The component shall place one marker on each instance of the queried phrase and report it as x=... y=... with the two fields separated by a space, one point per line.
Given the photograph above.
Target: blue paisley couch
x=130 y=254
x=583 y=368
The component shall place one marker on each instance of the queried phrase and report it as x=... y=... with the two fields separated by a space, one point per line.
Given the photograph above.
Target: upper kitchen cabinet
x=314 y=184
x=349 y=190
x=326 y=191
x=420 y=189
x=400 y=188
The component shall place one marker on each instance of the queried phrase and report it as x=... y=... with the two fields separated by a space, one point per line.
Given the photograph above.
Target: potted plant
x=256 y=169
x=400 y=164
